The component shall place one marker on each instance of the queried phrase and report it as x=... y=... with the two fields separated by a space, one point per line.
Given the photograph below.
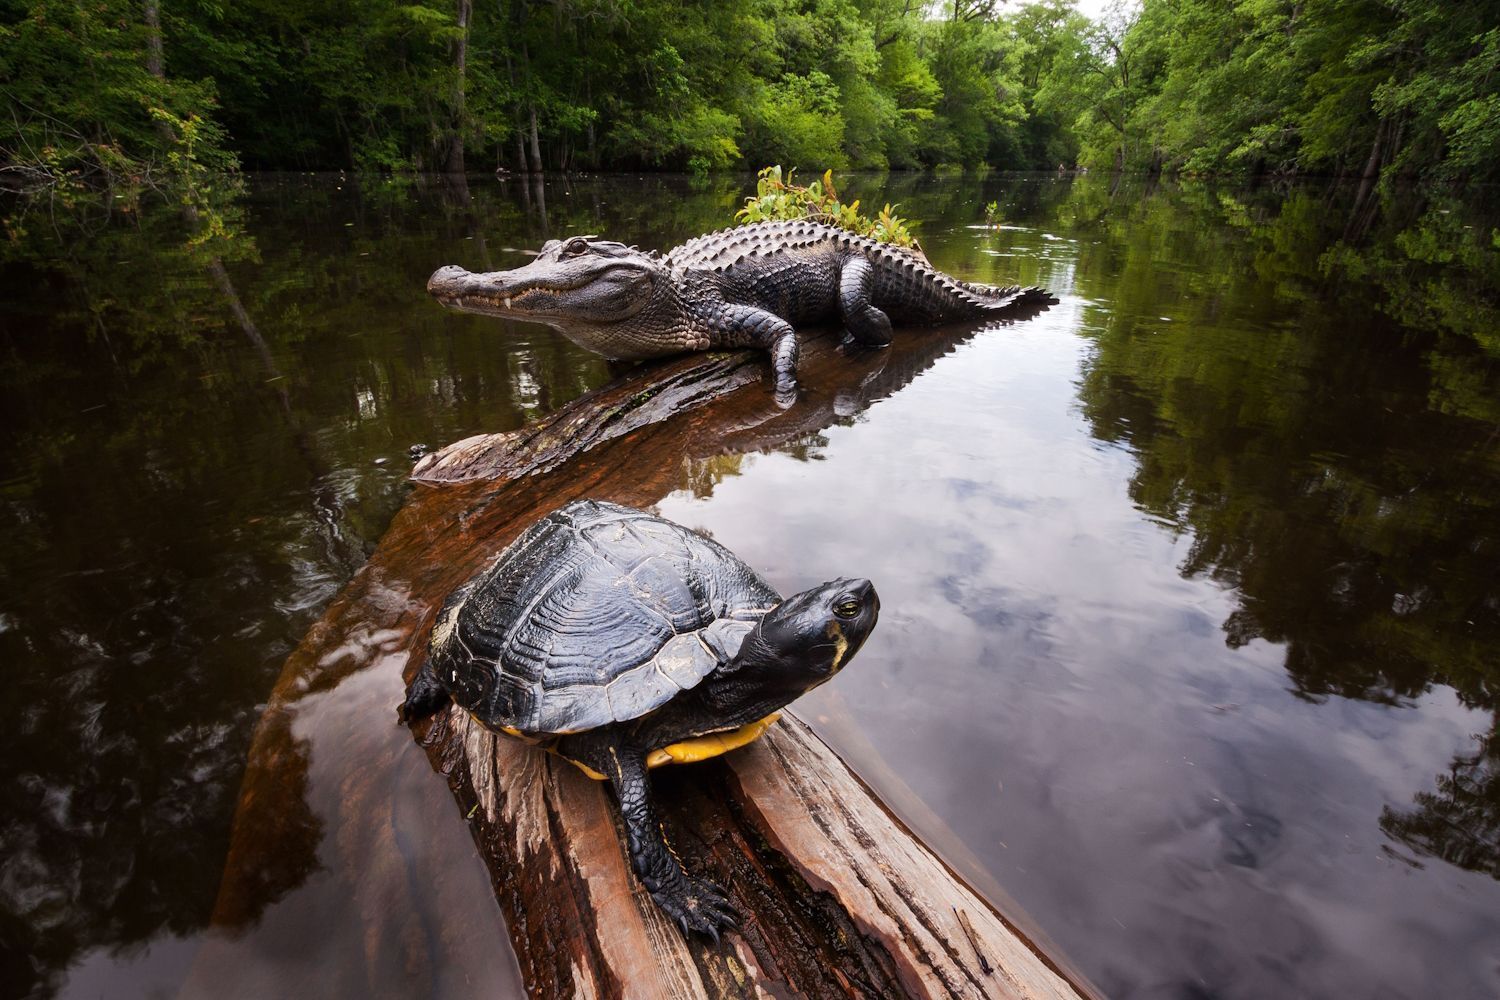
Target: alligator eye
x=847 y=608
x=576 y=246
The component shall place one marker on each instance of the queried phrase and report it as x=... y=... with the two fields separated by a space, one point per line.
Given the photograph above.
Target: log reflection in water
x=838 y=895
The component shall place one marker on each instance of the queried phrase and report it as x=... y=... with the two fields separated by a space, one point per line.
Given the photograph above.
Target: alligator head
x=602 y=295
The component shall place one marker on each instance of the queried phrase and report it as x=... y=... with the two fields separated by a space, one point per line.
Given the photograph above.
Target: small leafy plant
x=778 y=197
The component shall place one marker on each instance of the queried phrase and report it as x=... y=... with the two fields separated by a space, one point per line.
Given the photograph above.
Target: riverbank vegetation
x=134 y=89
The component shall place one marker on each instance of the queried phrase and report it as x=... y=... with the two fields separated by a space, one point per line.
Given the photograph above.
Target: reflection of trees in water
x=1333 y=467
x=175 y=526
x=1459 y=821
x=192 y=412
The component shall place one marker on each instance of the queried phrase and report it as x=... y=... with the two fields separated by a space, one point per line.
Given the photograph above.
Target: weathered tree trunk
x=453 y=151
x=155 y=59
x=1372 y=165
x=589 y=131
x=154 y=62
x=536 y=144
x=840 y=899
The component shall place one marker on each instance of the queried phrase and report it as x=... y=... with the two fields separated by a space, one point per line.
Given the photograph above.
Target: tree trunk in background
x=536 y=145
x=593 y=148
x=510 y=72
x=529 y=119
x=155 y=61
x=452 y=156
x=1372 y=165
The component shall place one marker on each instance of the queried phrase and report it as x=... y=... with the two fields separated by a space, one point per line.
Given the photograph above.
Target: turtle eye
x=576 y=246
x=847 y=608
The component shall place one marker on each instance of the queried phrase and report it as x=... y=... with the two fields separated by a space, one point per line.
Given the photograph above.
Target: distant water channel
x=1191 y=629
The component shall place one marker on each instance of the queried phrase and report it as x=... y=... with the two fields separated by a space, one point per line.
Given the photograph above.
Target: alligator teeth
x=507 y=302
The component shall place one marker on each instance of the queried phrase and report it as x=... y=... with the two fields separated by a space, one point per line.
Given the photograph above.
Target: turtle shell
x=598 y=613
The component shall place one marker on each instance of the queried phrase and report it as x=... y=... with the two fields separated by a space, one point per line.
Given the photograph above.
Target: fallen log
x=839 y=898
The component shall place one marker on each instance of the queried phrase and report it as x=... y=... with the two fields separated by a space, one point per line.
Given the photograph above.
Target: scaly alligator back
x=796 y=264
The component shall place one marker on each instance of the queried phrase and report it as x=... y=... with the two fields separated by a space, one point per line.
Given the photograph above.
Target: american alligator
x=740 y=287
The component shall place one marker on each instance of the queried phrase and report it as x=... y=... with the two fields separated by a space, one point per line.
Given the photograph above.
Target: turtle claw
x=699 y=906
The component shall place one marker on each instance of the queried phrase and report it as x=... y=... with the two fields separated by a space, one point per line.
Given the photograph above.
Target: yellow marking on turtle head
x=841 y=646
x=704 y=747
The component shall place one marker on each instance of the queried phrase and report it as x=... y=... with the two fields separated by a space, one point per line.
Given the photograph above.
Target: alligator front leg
x=867 y=324
x=734 y=325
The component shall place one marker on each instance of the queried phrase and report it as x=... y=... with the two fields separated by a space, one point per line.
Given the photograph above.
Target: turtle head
x=807 y=638
x=578 y=285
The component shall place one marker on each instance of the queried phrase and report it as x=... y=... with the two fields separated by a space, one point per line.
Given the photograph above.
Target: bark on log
x=840 y=899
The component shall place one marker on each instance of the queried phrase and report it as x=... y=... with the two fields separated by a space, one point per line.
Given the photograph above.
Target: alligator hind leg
x=868 y=325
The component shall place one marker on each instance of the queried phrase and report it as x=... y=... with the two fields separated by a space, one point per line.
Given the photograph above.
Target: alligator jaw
x=499 y=293
x=557 y=292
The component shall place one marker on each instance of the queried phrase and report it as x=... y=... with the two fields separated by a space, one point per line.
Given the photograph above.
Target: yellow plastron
x=686 y=752
x=704 y=747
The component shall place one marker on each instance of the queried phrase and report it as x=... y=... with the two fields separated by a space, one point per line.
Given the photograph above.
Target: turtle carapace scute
x=621 y=641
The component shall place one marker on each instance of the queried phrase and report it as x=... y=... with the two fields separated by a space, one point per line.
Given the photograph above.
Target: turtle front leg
x=425 y=697
x=696 y=904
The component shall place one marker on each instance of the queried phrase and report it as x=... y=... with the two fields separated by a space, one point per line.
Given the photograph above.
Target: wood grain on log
x=840 y=899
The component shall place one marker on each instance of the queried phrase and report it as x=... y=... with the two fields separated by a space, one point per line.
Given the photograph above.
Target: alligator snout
x=446 y=280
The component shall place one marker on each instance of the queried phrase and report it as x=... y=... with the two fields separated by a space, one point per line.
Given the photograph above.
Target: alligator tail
x=909 y=285
x=1000 y=298
x=946 y=298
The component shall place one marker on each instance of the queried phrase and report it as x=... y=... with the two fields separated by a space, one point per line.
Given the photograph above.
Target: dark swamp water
x=1191 y=609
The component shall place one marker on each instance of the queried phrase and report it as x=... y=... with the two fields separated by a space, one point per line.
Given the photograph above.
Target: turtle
x=621 y=641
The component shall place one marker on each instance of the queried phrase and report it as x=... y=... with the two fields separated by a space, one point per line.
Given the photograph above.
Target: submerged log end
x=838 y=898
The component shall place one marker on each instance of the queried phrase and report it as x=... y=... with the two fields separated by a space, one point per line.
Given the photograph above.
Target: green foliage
x=1398 y=87
x=777 y=197
x=799 y=120
x=1276 y=86
x=83 y=108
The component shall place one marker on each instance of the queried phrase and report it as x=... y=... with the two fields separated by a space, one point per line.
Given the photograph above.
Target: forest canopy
x=131 y=89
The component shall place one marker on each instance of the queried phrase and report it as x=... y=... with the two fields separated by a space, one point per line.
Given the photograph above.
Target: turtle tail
x=425 y=697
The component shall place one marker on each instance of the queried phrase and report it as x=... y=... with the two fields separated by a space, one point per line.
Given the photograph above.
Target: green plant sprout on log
x=777 y=197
